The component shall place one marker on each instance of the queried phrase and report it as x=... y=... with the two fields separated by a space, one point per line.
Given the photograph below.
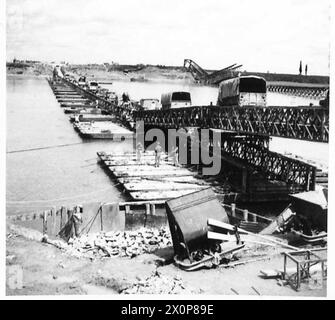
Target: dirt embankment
x=25 y=69
x=132 y=73
x=47 y=270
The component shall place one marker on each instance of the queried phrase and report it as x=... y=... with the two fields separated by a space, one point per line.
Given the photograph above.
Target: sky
x=262 y=35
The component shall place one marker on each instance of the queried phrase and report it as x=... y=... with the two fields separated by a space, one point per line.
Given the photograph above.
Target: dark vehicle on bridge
x=178 y=99
x=242 y=91
x=82 y=81
x=93 y=86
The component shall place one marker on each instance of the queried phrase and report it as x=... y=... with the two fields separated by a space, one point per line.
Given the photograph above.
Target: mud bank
x=47 y=270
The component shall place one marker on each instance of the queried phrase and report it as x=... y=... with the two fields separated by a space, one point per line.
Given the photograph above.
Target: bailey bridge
x=245 y=136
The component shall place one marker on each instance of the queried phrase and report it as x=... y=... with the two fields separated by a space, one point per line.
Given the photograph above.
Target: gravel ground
x=48 y=270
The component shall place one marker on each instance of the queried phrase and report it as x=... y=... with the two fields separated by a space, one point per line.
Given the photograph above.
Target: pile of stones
x=119 y=243
x=158 y=283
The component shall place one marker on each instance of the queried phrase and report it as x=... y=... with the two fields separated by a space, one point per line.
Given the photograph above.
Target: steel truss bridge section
x=197 y=72
x=316 y=93
x=252 y=153
x=215 y=77
x=273 y=165
x=305 y=123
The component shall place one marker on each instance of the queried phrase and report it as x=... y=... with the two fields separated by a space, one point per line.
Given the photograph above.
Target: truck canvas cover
x=229 y=88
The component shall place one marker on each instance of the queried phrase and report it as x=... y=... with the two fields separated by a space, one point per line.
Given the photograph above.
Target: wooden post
x=101 y=222
x=254 y=218
x=53 y=220
x=153 y=209
x=45 y=222
x=61 y=225
x=233 y=210
x=298 y=276
x=69 y=217
x=323 y=275
x=245 y=214
x=285 y=262
x=69 y=214
x=147 y=208
x=313 y=179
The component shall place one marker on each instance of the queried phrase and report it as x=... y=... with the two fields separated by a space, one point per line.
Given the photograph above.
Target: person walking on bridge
x=158 y=152
x=175 y=155
x=139 y=149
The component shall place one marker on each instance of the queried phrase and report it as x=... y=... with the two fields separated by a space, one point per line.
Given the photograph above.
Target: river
x=68 y=175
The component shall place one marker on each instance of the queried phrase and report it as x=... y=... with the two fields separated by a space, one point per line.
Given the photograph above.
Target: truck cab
x=82 y=81
x=177 y=99
x=93 y=86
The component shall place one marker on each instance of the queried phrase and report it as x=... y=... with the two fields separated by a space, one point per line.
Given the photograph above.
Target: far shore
x=156 y=74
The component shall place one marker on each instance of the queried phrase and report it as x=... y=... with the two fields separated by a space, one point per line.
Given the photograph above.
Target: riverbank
x=178 y=73
x=131 y=73
x=25 y=69
x=48 y=270
x=155 y=73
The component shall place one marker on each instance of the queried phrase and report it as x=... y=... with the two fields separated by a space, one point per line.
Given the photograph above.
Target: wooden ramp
x=141 y=180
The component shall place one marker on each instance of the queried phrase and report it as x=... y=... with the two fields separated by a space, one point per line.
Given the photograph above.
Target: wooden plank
x=181 y=179
x=125 y=155
x=152 y=174
x=220 y=236
x=125 y=162
x=152 y=195
x=147 y=168
x=277 y=273
x=270 y=273
x=155 y=185
x=225 y=226
x=141 y=203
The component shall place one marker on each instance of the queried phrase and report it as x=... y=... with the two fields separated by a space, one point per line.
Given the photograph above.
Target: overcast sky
x=271 y=35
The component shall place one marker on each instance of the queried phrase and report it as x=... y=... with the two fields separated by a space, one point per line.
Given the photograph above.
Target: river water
x=68 y=175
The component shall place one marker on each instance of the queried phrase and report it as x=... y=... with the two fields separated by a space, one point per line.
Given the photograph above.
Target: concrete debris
x=119 y=243
x=157 y=284
x=11 y=235
x=10 y=258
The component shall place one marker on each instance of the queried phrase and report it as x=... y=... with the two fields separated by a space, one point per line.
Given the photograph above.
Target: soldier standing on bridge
x=175 y=155
x=139 y=149
x=306 y=67
x=158 y=151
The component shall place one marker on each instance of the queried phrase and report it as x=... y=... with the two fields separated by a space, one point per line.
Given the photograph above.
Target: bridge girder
x=305 y=123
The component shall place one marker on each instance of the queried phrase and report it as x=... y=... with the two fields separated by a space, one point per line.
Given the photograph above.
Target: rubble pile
x=120 y=243
x=157 y=284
